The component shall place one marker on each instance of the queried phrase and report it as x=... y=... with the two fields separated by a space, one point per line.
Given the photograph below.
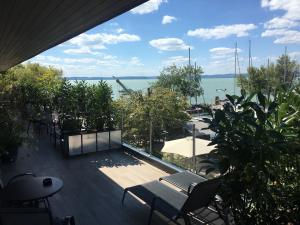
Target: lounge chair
x=174 y=204
x=183 y=180
x=31 y=216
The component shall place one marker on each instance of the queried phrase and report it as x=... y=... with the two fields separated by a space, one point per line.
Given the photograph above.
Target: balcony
x=93 y=183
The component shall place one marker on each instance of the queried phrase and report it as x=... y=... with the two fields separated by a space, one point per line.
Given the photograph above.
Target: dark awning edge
x=30 y=27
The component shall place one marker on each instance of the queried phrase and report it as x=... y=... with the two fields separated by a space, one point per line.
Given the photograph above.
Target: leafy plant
x=100 y=107
x=185 y=80
x=32 y=87
x=89 y=103
x=10 y=133
x=269 y=79
x=163 y=107
x=259 y=143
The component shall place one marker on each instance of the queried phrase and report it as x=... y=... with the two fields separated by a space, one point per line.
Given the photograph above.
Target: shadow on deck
x=93 y=184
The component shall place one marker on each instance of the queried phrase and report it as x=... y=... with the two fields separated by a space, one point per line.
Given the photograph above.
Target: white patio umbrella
x=184 y=147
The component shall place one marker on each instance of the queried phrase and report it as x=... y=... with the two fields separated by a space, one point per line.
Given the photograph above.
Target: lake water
x=210 y=86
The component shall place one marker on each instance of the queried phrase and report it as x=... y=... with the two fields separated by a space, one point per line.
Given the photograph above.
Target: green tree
x=164 y=107
x=80 y=101
x=31 y=84
x=286 y=69
x=185 y=80
x=269 y=79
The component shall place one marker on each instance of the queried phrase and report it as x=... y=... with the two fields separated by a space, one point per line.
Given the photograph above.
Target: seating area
x=93 y=186
x=175 y=204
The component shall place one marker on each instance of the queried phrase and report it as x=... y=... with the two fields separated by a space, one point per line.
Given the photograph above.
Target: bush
x=259 y=141
x=10 y=132
x=165 y=108
x=92 y=104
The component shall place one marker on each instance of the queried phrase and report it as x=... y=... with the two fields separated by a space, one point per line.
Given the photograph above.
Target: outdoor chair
x=31 y=216
x=1 y=184
x=183 y=181
x=174 y=204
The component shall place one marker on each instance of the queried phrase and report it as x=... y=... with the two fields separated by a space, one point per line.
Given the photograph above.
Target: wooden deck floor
x=93 y=184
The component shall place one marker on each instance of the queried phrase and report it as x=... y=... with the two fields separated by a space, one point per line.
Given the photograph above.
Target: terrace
x=93 y=183
x=263 y=175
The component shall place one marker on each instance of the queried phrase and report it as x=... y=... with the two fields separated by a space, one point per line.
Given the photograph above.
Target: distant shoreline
x=145 y=77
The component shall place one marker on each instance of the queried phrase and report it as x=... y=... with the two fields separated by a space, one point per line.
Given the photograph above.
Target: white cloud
x=135 y=61
x=222 y=31
x=79 y=60
x=168 y=19
x=222 y=52
x=225 y=65
x=48 y=58
x=294 y=55
x=222 y=61
x=103 y=38
x=148 y=7
x=102 y=65
x=53 y=59
x=281 y=22
x=291 y=7
x=86 y=43
x=176 y=60
x=81 y=50
x=169 y=44
x=119 y=30
x=283 y=36
x=278 y=27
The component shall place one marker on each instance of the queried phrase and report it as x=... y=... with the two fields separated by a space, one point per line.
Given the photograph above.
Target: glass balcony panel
x=74 y=145
x=115 y=139
x=89 y=143
x=102 y=141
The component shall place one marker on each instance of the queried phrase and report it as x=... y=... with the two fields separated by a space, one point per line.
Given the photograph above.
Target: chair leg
x=151 y=211
x=28 y=126
x=124 y=194
x=186 y=220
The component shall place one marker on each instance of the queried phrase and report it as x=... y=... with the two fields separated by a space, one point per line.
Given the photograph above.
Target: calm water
x=210 y=86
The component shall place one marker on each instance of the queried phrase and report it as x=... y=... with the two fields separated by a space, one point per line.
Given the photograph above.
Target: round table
x=30 y=189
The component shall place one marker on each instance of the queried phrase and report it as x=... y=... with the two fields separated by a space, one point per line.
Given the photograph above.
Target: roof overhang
x=30 y=27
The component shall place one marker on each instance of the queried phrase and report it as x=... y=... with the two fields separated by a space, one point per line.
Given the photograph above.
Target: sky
x=158 y=33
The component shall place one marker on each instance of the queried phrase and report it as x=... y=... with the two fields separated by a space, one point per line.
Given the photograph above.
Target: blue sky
x=158 y=33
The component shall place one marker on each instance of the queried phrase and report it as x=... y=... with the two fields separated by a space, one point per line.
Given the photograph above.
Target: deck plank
x=93 y=184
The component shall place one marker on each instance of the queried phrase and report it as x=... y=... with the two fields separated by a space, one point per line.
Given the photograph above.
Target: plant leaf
x=230 y=98
x=261 y=99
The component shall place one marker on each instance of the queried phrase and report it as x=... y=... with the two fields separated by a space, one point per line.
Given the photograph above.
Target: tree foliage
x=269 y=79
x=30 y=84
x=80 y=101
x=164 y=107
x=37 y=90
x=259 y=144
x=185 y=80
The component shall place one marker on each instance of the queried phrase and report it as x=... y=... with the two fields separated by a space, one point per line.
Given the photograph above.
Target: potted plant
x=10 y=137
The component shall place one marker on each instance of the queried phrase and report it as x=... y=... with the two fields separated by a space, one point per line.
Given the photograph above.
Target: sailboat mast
x=285 y=64
x=235 y=63
x=189 y=56
x=250 y=56
x=190 y=75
